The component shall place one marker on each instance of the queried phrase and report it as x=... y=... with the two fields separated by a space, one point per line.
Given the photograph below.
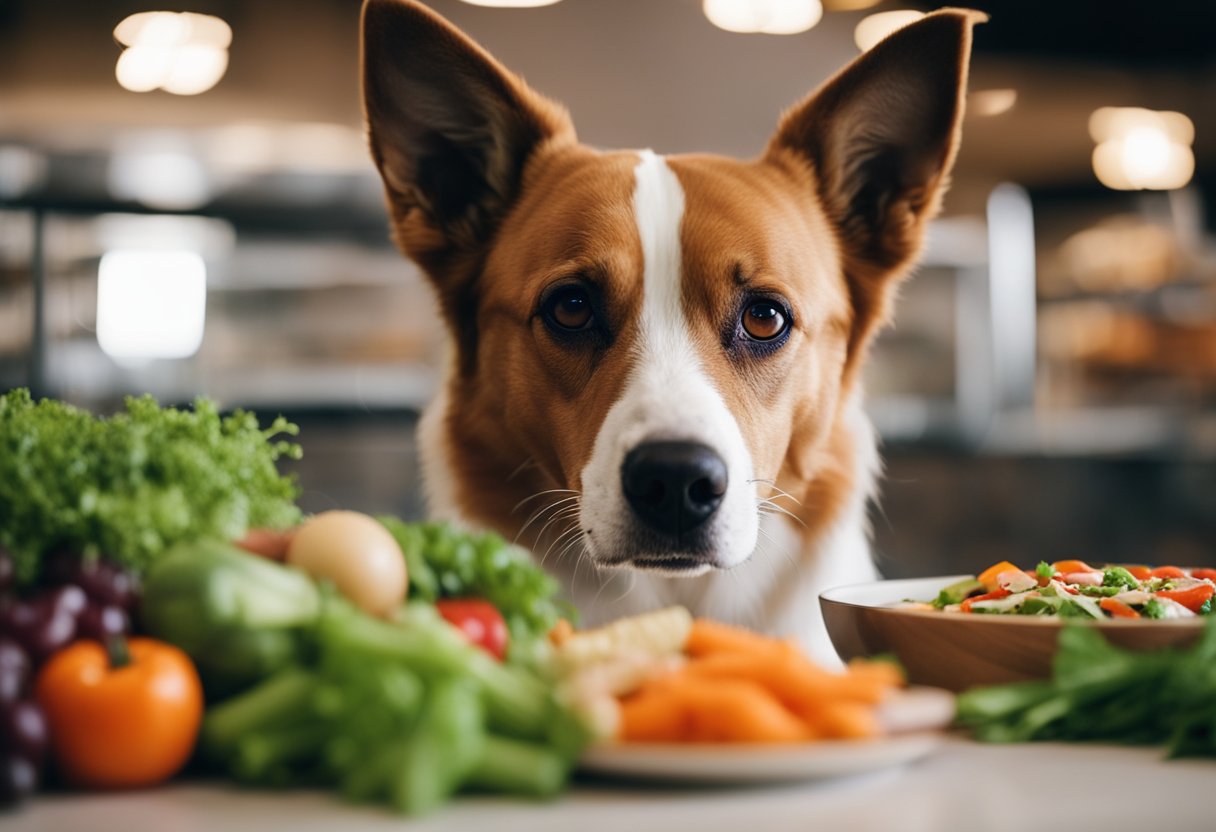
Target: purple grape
x=15 y=671
x=108 y=584
x=102 y=622
x=8 y=571
x=18 y=779
x=43 y=626
x=70 y=599
x=23 y=731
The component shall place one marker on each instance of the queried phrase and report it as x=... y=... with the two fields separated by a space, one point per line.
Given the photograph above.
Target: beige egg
x=357 y=554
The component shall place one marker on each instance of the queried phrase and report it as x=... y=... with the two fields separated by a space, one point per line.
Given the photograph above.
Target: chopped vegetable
x=1068 y=588
x=481 y=624
x=657 y=634
x=444 y=562
x=1117 y=609
x=239 y=617
x=957 y=593
x=405 y=712
x=989 y=576
x=739 y=686
x=121 y=716
x=134 y=484
x=357 y=554
x=1101 y=692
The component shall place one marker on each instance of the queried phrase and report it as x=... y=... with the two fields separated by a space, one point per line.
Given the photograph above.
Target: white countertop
x=964 y=786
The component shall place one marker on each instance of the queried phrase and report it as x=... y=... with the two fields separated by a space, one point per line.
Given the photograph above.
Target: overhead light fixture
x=850 y=5
x=991 y=102
x=1139 y=149
x=151 y=304
x=512 y=4
x=770 y=17
x=179 y=52
x=875 y=28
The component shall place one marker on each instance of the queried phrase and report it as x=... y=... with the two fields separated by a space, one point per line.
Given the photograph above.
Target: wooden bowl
x=956 y=651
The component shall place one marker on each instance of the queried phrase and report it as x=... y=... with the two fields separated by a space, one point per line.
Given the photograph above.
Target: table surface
x=963 y=786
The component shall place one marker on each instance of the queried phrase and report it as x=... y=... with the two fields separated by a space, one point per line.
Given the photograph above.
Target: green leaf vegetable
x=444 y=562
x=1101 y=692
x=239 y=617
x=132 y=485
x=404 y=712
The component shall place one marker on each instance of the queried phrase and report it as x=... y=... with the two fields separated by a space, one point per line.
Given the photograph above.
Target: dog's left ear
x=881 y=137
x=450 y=128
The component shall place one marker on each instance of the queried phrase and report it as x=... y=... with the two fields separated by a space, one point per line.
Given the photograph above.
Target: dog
x=655 y=360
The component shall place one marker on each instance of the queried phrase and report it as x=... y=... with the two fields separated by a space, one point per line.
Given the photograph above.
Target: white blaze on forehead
x=668 y=395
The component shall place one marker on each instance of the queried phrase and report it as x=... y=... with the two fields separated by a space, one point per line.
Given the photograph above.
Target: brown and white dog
x=655 y=360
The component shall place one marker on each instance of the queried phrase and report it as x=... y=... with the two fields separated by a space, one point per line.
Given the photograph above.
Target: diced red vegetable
x=1117 y=609
x=1168 y=572
x=1204 y=574
x=1192 y=597
x=1140 y=573
x=480 y=621
x=991 y=596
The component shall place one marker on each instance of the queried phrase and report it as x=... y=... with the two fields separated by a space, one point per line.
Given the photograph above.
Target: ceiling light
x=771 y=17
x=512 y=4
x=1139 y=149
x=991 y=102
x=151 y=304
x=875 y=27
x=180 y=52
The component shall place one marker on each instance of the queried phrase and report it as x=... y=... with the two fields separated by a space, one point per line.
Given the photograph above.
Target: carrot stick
x=709 y=637
x=683 y=708
x=792 y=679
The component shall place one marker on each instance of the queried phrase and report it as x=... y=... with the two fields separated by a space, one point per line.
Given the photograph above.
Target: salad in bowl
x=1074 y=589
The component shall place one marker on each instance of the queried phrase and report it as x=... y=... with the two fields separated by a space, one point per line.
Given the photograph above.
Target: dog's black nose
x=673 y=486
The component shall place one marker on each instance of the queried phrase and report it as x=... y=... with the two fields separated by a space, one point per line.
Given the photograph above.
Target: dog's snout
x=674 y=487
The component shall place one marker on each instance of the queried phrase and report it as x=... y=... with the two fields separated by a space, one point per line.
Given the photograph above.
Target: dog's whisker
x=523 y=466
x=769 y=507
x=566 y=514
x=551 y=507
x=529 y=499
x=559 y=539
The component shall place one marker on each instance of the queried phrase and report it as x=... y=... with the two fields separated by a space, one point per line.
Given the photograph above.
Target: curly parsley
x=131 y=485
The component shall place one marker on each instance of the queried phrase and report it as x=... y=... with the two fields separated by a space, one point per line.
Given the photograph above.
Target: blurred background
x=187 y=207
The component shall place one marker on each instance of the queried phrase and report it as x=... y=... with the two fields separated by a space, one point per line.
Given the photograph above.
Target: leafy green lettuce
x=1101 y=692
x=132 y=485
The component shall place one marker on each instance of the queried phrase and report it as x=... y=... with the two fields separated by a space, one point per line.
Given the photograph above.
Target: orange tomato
x=1073 y=566
x=989 y=576
x=116 y=725
x=1117 y=609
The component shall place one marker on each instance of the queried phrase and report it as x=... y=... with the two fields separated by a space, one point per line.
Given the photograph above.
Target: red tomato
x=1192 y=598
x=1204 y=574
x=991 y=596
x=1168 y=572
x=480 y=621
x=1140 y=573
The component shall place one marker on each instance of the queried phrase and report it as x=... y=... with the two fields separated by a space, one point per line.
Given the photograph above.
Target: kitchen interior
x=215 y=227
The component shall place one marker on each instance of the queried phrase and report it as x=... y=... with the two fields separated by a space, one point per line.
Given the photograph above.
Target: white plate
x=910 y=713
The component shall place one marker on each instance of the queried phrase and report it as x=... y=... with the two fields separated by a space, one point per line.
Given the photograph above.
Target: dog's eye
x=569 y=308
x=765 y=320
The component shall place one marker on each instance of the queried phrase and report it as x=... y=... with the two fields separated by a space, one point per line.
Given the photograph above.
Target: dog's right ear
x=450 y=128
